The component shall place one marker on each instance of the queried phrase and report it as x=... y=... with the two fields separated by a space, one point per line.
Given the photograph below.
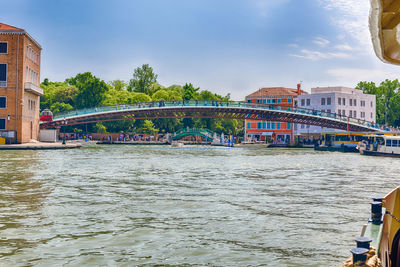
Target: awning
x=267 y=133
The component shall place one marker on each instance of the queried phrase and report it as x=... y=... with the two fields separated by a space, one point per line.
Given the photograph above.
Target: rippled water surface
x=128 y=206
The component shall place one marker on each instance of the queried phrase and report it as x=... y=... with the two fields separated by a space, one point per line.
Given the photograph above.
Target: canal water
x=128 y=206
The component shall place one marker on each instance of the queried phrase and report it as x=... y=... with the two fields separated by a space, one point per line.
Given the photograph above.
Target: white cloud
x=317 y=55
x=351 y=16
x=355 y=75
x=265 y=6
x=344 y=47
x=322 y=42
x=294 y=45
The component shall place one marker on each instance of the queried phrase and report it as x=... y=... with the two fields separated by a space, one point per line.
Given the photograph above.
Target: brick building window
x=3 y=75
x=303 y=102
x=3 y=47
x=2 y=124
x=258 y=125
x=339 y=101
x=3 y=102
x=288 y=126
x=323 y=101
x=248 y=125
x=308 y=102
x=355 y=114
x=328 y=101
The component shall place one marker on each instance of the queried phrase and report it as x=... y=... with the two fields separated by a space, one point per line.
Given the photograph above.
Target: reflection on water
x=21 y=199
x=116 y=205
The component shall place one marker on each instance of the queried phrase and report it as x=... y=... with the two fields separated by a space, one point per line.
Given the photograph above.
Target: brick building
x=257 y=130
x=19 y=85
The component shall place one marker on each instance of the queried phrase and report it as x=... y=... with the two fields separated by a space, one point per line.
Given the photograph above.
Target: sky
x=225 y=46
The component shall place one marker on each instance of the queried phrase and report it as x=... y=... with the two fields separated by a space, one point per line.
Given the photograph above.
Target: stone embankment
x=40 y=146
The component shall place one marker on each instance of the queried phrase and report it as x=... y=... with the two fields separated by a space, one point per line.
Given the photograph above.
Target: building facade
x=260 y=131
x=342 y=101
x=19 y=85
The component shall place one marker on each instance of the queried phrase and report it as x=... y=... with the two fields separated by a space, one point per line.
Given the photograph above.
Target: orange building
x=257 y=130
x=19 y=85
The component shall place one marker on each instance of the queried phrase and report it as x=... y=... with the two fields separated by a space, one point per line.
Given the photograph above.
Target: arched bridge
x=209 y=109
x=205 y=133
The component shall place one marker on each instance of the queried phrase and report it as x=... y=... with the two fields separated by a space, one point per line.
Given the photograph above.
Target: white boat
x=177 y=144
x=380 y=145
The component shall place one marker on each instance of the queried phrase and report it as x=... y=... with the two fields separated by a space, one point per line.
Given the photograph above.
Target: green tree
x=66 y=95
x=45 y=82
x=387 y=100
x=207 y=95
x=160 y=95
x=91 y=90
x=142 y=80
x=58 y=107
x=100 y=128
x=190 y=92
x=148 y=127
x=118 y=85
x=54 y=92
x=389 y=89
x=154 y=88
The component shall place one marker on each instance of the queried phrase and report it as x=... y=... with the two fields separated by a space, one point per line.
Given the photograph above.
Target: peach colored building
x=257 y=130
x=19 y=85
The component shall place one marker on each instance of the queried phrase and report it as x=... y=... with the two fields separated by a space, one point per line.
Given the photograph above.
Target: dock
x=40 y=146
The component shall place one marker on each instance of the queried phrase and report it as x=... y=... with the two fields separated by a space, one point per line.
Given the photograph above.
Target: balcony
x=3 y=84
x=34 y=89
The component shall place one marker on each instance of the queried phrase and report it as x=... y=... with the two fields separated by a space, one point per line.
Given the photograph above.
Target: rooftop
x=275 y=91
x=338 y=89
x=5 y=27
x=8 y=29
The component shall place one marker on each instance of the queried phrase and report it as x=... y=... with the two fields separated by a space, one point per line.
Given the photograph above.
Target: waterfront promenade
x=40 y=146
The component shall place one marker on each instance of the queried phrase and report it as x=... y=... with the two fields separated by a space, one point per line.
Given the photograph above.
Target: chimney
x=299 y=89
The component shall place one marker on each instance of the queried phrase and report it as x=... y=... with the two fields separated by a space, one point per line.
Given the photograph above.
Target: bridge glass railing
x=211 y=103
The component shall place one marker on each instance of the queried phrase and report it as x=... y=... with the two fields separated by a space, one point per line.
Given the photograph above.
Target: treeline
x=387 y=100
x=86 y=91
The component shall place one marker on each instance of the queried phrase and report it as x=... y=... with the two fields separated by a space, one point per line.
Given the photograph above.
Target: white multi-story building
x=343 y=101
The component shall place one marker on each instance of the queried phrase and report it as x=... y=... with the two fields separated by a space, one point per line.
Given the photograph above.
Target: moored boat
x=341 y=141
x=380 y=145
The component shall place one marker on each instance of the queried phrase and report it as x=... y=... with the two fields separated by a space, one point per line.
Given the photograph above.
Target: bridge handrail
x=185 y=131
x=201 y=131
x=212 y=103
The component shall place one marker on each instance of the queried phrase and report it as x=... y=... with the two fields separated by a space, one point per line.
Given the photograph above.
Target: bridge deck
x=210 y=109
